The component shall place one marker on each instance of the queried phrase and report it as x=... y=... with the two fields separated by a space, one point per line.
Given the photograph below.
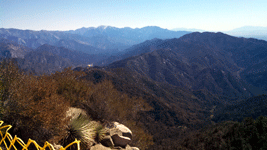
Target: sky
x=209 y=15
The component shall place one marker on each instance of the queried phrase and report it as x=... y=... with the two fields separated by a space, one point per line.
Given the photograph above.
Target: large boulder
x=120 y=134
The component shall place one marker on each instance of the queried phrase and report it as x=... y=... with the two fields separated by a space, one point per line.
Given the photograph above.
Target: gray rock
x=120 y=140
x=120 y=134
x=107 y=141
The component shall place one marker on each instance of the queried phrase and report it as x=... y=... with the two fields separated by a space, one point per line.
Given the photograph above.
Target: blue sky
x=210 y=15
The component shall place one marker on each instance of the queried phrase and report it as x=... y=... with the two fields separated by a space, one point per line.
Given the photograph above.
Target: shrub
x=9 y=74
x=112 y=105
x=71 y=88
x=35 y=109
x=107 y=104
x=83 y=129
x=248 y=134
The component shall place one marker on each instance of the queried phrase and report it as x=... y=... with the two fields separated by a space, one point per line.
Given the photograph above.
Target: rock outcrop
x=107 y=141
x=120 y=134
x=116 y=136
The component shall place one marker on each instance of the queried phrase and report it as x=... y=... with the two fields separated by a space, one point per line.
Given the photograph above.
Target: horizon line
x=172 y=29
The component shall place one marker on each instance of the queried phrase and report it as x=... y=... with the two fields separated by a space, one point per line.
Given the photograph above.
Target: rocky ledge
x=118 y=136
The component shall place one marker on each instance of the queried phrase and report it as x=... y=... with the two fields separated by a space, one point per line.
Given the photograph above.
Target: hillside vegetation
x=251 y=107
x=35 y=105
x=248 y=134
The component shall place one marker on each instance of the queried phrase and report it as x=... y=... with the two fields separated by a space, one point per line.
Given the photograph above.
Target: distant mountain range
x=99 y=42
x=246 y=31
x=249 y=32
x=34 y=39
x=108 y=40
x=128 y=36
x=188 y=29
x=45 y=58
x=184 y=77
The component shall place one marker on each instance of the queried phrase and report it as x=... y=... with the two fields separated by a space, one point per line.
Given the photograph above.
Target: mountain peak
x=204 y=35
x=103 y=27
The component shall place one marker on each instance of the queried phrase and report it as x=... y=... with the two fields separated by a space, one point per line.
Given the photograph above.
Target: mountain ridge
x=90 y=40
x=212 y=54
x=46 y=58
